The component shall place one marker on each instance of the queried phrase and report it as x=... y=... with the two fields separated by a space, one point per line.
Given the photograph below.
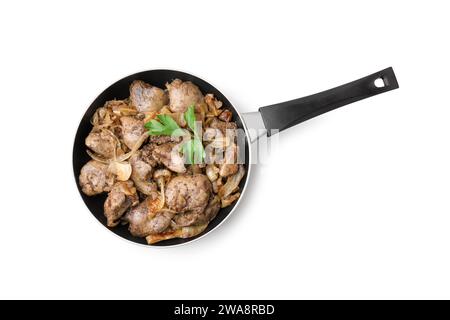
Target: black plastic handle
x=284 y=115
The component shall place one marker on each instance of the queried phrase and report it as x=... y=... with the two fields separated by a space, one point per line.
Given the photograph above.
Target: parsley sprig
x=193 y=149
x=164 y=125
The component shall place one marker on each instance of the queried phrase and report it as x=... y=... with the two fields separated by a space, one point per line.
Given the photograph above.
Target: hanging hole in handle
x=379 y=83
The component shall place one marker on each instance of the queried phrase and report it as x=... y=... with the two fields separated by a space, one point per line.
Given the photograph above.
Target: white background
x=354 y=204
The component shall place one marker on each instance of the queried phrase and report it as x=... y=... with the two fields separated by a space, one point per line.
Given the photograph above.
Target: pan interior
x=120 y=90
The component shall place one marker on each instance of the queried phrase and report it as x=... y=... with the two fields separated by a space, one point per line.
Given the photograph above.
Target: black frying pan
x=268 y=120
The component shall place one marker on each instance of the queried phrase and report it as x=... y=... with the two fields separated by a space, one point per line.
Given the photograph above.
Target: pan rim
x=244 y=189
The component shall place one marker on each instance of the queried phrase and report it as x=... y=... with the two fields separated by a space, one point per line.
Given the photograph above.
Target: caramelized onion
x=121 y=169
x=220 y=142
x=162 y=195
x=135 y=148
x=96 y=157
x=232 y=183
x=184 y=232
x=225 y=202
x=212 y=172
x=124 y=111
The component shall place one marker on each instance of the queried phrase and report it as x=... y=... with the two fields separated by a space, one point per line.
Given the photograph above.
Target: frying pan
x=270 y=119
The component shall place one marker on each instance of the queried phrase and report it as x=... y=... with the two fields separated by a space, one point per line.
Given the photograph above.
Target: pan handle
x=280 y=116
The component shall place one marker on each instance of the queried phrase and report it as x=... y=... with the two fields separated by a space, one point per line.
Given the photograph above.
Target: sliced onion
x=232 y=183
x=184 y=232
x=216 y=185
x=118 y=144
x=121 y=169
x=162 y=173
x=97 y=157
x=129 y=191
x=212 y=172
x=125 y=111
x=162 y=195
x=105 y=119
x=213 y=104
x=135 y=148
x=225 y=202
x=220 y=142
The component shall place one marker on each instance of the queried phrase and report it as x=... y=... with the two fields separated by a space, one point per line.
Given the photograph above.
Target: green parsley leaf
x=199 y=152
x=166 y=126
x=193 y=151
x=189 y=116
x=188 y=151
